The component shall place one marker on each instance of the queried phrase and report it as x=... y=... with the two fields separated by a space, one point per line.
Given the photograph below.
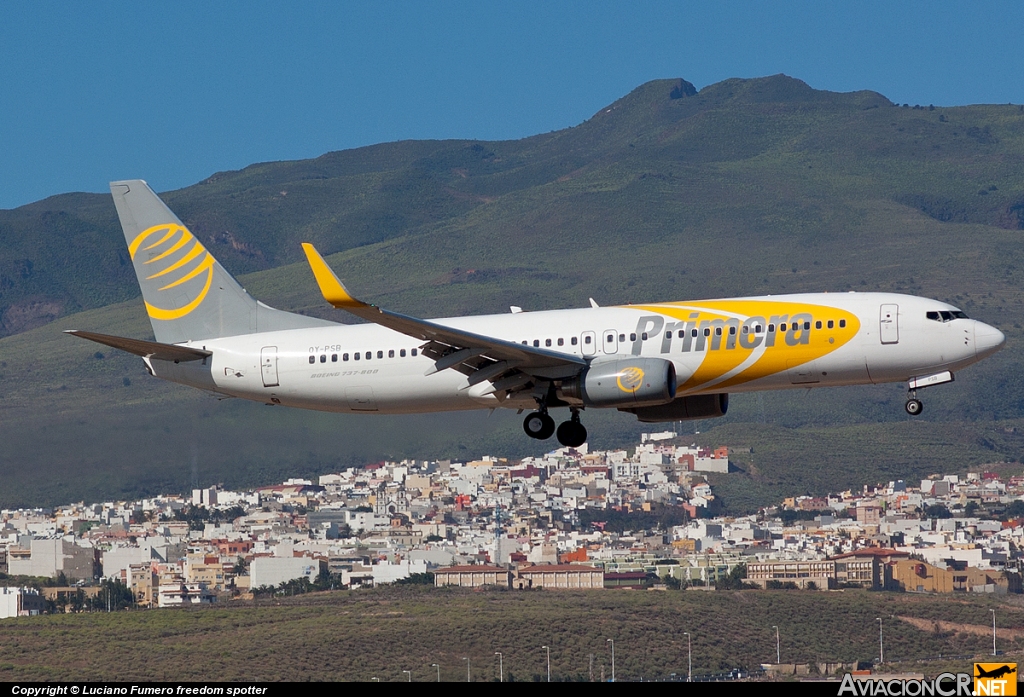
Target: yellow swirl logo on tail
x=630 y=379
x=179 y=258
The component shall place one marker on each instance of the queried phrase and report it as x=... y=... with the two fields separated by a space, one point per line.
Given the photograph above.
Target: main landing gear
x=571 y=433
x=539 y=425
x=913 y=405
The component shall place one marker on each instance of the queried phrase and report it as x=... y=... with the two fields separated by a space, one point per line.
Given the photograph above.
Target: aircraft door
x=268 y=360
x=610 y=341
x=888 y=324
x=588 y=343
x=360 y=398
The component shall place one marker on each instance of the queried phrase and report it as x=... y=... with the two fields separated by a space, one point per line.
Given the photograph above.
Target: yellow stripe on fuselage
x=743 y=357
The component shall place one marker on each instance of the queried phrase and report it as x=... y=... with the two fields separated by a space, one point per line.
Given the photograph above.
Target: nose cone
x=987 y=339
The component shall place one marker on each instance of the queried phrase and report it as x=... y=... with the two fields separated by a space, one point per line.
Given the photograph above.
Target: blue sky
x=173 y=92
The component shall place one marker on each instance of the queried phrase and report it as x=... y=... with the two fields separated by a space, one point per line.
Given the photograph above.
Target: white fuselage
x=735 y=345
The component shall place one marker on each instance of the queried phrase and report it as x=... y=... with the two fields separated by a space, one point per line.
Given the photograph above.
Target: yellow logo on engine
x=179 y=261
x=630 y=379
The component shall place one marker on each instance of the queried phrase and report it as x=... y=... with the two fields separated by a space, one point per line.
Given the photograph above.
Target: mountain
x=744 y=187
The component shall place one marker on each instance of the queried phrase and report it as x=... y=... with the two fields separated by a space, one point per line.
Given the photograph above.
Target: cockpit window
x=945 y=315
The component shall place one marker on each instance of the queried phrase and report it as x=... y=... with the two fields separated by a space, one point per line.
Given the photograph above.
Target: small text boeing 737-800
x=662 y=361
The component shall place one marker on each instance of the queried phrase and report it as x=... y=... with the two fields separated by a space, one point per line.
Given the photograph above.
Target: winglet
x=334 y=292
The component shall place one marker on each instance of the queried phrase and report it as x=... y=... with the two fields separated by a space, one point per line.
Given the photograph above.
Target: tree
x=734 y=581
x=936 y=510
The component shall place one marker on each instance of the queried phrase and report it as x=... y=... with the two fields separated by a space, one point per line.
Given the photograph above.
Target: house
x=20 y=602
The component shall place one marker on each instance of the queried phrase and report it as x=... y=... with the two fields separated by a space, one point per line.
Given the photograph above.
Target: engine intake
x=633 y=382
x=701 y=406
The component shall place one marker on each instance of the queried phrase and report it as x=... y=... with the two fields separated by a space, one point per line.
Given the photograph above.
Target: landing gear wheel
x=539 y=425
x=572 y=434
x=914 y=407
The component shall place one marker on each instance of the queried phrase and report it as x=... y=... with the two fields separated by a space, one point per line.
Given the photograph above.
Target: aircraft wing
x=146 y=349
x=506 y=364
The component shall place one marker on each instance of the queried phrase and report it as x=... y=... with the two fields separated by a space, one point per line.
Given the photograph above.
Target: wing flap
x=448 y=346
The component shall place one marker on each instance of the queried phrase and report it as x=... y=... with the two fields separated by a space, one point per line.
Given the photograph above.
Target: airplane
x=662 y=362
x=995 y=672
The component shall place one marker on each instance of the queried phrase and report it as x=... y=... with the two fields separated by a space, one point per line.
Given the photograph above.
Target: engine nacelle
x=701 y=406
x=632 y=382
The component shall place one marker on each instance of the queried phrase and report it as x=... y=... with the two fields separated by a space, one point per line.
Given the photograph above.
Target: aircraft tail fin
x=188 y=294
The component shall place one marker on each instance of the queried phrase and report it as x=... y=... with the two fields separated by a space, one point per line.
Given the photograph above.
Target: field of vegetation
x=747 y=187
x=359 y=635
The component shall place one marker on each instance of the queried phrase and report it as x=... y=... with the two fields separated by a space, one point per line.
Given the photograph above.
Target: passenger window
x=401 y=353
x=707 y=331
x=668 y=335
x=693 y=332
x=842 y=323
x=817 y=324
x=323 y=357
x=611 y=338
x=831 y=324
x=771 y=328
x=746 y=329
x=622 y=337
x=312 y=360
x=414 y=352
x=682 y=333
x=644 y=336
x=561 y=342
x=782 y=327
x=344 y=357
x=732 y=330
x=536 y=343
x=758 y=329
x=334 y=358
x=632 y=337
x=718 y=331
x=586 y=340
x=380 y=354
x=391 y=353
x=807 y=326
x=547 y=342
x=369 y=355
x=356 y=355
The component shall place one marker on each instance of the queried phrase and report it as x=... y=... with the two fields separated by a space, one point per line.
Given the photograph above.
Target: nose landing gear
x=913 y=405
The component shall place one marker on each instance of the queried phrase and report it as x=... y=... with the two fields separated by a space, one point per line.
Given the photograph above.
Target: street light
x=466 y=659
x=612 y=641
x=436 y=665
x=549 y=661
x=501 y=667
x=881 y=647
x=993 y=632
x=689 y=658
x=778 y=649
x=409 y=673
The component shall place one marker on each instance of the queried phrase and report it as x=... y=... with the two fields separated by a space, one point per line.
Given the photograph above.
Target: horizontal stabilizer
x=146 y=349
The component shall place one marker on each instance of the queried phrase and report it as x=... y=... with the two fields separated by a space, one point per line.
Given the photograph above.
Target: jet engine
x=625 y=383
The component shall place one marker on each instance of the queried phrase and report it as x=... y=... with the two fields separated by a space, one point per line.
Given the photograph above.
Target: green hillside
x=366 y=634
x=745 y=187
